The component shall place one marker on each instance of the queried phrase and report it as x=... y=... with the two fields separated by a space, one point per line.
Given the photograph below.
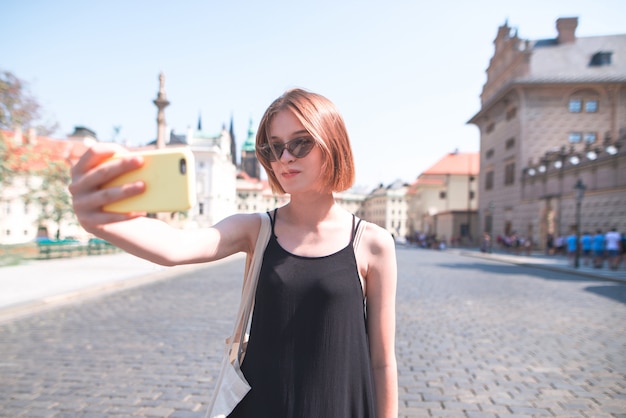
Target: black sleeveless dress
x=308 y=354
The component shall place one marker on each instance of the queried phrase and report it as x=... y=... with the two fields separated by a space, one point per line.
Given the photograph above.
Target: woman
x=316 y=348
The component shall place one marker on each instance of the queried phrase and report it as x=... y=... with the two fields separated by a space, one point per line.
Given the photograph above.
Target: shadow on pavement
x=616 y=291
x=515 y=270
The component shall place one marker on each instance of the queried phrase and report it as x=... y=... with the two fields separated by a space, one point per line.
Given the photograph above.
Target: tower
x=249 y=163
x=161 y=103
x=233 y=144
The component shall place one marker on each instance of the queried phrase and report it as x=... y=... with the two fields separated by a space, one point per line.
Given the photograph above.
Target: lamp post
x=491 y=208
x=580 y=191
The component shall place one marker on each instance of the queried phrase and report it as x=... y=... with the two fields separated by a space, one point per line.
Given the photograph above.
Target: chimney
x=566 y=28
x=18 y=139
x=32 y=136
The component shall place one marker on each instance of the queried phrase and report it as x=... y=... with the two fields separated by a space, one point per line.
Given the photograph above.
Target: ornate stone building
x=553 y=112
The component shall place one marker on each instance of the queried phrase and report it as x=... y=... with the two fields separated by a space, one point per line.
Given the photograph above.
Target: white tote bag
x=231 y=385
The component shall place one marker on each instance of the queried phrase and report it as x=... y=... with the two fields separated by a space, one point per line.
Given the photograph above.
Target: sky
x=405 y=75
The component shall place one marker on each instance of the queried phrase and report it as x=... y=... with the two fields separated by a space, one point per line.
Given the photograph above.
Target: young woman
x=323 y=327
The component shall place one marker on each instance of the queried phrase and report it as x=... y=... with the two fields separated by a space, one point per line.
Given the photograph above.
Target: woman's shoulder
x=376 y=238
x=242 y=224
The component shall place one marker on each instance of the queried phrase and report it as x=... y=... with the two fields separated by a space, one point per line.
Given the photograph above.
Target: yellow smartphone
x=169 y=176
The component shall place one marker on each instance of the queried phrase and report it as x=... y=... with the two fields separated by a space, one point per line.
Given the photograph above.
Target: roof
x=572 y=62
x=581 y=60
x=250 y=144
x=36 y=153
x=459 y=163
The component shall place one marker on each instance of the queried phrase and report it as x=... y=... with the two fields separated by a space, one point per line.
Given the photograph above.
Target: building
x=387 y=208
x=23 y=206
x=256 y=195
x=352 y=201
x=249 y=163
x=553 y=111
x=215 y=178
x=443 y=201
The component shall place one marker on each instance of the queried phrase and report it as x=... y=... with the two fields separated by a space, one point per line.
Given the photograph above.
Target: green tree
x=52 y=194
x=46 y=186
x=18 y=108
x=5 y=162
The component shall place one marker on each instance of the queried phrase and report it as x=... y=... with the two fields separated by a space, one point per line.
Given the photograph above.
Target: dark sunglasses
x=299 y=148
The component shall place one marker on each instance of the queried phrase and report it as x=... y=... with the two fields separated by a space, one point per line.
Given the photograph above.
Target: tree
x=45 y=176
x=5 y=161
x=18 y=108
x=52 y=195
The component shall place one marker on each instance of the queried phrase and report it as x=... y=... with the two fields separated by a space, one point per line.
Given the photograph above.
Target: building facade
x=443 y=201
x=215 y=178
x=22 y=215
x=553 y=111
x=386 y=206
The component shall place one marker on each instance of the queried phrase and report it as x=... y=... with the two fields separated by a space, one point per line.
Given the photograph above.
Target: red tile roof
x=456 y=163
x=37 y=154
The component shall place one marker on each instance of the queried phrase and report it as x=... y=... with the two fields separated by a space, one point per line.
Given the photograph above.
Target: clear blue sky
x=406 y=75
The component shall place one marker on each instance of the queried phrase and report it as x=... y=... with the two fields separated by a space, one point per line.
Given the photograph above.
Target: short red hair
x=322 y=120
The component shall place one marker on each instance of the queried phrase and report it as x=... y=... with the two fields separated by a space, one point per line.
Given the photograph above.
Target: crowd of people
x=600 y=250
x=597 y=249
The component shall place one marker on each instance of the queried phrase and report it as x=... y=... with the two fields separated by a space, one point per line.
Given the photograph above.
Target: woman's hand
x=90 y=173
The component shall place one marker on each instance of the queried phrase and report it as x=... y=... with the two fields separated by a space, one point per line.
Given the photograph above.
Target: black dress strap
x=273 y=220
x=354 y=228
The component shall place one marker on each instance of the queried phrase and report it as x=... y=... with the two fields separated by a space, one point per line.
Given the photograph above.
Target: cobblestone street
x=475 y=338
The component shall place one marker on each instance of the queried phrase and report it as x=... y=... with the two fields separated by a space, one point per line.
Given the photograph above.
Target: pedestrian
x=598 y=249
x=549 y=244
x=613 y=241
x=623 y=252
x=571 y=243
x=528 y=245
x=322 y=337
x=486 y=243
x=585 y=243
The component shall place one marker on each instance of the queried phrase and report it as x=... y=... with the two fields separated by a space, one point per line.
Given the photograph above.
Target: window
x=509 y=174
x=489 y=153
x=575 y=137
x=489 y=180
x=601 y=58
x=591 y=106
x=590 y=137
x=491 y=127
x=511 y=113
x=442 y=195
x=510 y=143
x=584 y=101
x=575 y=105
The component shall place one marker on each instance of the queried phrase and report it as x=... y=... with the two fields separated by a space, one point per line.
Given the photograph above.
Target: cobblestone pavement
x=476 y=338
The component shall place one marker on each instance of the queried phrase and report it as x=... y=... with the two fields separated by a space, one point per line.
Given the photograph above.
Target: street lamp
x=580 y=191
x=491 y=208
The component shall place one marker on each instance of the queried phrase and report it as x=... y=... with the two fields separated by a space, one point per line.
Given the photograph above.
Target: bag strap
x=253 y=268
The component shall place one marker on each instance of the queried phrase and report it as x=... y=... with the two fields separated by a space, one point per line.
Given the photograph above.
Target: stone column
x=161 y=103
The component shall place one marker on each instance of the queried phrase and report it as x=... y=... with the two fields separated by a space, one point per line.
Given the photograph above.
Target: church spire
x=233 y=144
x=249 y=162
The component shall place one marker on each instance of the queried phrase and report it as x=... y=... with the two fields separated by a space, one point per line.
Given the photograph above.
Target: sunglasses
x=299 y=148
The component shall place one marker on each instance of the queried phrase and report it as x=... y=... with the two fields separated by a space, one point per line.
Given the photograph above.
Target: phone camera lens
x=183 y=166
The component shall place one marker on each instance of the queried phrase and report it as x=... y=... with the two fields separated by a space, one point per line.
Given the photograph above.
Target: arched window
x=584 y=101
